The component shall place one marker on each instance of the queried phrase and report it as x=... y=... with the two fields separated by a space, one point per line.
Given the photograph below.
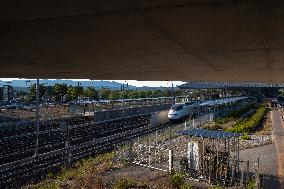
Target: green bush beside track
x=248 y=125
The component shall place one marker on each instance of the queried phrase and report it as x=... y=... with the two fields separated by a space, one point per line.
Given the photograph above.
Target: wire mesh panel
x=153 y=150
x=147 y=152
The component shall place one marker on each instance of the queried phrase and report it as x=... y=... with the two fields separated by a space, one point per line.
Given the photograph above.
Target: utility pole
x=37 y=117
x=172 y=94
x=123 y=96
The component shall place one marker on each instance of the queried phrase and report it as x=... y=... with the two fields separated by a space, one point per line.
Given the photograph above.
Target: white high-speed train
x=185 y=109
x=182 y=110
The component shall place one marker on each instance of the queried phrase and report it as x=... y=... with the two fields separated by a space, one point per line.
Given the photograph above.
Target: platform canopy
x=205 y=133
x=230 y=85
x=209 y=40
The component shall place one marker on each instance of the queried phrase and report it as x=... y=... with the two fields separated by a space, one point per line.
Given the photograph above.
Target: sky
x=151 y=83
x=130 y=82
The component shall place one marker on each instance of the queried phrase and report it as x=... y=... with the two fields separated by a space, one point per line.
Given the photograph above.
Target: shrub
x=245 y=137
x=124 y=183
x=248 y=125
x=186 y=186
x=177 y=180
x=238 y=113
x=251 y=184
x=232 y=115
x=216 y=187
x=215 y=127
x=91 y=165
x=50 y=185
x=224 y=120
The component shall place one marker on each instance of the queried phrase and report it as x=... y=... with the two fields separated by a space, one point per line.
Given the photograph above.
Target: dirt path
x=152 y=178
x=278 y=139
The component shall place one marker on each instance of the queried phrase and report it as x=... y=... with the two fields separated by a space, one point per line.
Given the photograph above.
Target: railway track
x=61 y=146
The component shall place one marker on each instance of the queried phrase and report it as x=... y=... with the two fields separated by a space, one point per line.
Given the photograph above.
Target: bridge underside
x=230 y=40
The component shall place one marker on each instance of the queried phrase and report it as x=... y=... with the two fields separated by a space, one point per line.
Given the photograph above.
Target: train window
x=189 y=103
x=177 y=107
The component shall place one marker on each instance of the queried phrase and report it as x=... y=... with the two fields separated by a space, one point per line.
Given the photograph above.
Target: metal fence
x=165 y=151
x=62 y=144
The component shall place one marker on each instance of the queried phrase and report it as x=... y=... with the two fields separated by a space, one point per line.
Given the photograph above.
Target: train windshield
x=177 y=107
x=189 y=103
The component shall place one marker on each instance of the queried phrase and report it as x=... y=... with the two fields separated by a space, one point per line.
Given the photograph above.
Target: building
x=6 y=92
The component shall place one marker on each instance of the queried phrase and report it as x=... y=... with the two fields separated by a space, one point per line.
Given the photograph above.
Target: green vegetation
x=245 y=137
x=215 y=127
x=83 y=173
x=245 y=125
x=99 y=164
x=223 y=120
x=42 y=91
x=216 y=187
x=50 y=185
x=238 y=113
x=186 y=186
x=248 y=125
x=251 y=184
x=124 y=183
x=60 y=92
x=177 y=179
x=232 y=115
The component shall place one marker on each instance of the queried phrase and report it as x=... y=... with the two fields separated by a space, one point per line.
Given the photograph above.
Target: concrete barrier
x=106 y=115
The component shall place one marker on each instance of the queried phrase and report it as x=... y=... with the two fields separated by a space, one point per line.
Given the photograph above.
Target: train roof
x=222 y=101
x=186 y=102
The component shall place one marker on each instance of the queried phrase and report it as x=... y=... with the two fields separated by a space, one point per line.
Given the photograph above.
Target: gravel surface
x=48 y=112
x=267 y=157
x=256 y=140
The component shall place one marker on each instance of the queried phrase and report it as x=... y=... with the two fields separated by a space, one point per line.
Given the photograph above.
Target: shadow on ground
x=271 y=181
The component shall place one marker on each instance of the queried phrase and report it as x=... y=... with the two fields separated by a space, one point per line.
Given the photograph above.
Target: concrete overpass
x=258 y=90
x=230 y=40
x=232 y=86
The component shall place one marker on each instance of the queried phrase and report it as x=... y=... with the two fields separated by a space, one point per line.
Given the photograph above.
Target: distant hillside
x=22 y=85
x=96 y=84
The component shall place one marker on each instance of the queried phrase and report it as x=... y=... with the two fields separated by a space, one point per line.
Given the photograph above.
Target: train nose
x=172 y=115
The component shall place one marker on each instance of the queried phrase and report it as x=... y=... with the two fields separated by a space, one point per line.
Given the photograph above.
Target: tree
x=42 y=91
x=59 y=90
x=157 y=93
x=71 y=93
x=167 y=92
x=148 y=94
x=92 y=93
x=125 y=94
x=74 y=92
x=114 y=95
x=79 y=91
x=134 y=94
x=178 y=92
x=105 y=93
x=142 y=94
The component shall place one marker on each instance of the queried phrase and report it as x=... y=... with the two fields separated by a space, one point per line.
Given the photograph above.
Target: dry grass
x=84 y=174
x=266 y=127
x=103 y=173
x=51 y=112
